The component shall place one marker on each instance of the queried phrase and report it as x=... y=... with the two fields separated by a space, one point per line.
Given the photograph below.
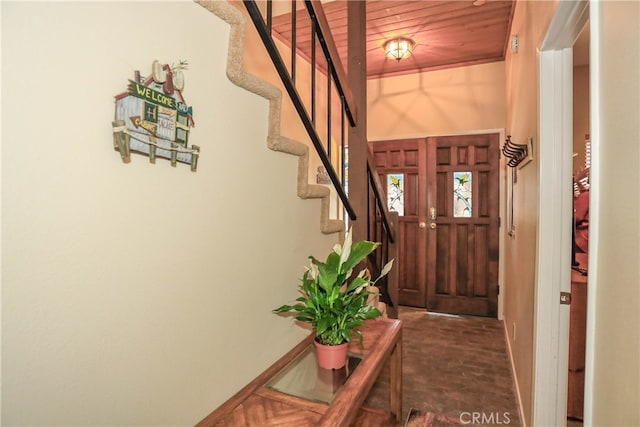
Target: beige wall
x=459 y=100
x=529 y=23
x=257 y=61
x=613 y=371
x=137 y=294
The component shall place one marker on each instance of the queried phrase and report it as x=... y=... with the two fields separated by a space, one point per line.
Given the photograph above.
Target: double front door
x=446 y=192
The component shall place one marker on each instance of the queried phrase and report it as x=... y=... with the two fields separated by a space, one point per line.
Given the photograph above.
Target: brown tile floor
x=455 y=366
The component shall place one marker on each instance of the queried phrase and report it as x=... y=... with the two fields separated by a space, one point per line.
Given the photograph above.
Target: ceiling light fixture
x=399 y=48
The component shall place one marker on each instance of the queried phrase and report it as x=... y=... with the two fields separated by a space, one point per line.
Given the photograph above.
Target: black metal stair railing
x=379 y=223
x=379 y=229
x=335 y=76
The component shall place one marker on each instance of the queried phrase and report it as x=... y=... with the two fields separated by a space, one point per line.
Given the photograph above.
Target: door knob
x=422 y=224
x=433 y=225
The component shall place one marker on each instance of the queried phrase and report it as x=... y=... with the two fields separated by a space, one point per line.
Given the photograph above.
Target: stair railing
x=380 y=224
x=335 y=74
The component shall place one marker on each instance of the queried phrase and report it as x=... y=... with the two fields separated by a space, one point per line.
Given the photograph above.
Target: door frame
x=503 y=205
x=553 y=266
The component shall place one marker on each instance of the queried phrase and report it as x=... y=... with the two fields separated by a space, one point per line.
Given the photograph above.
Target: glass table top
x=303 y=378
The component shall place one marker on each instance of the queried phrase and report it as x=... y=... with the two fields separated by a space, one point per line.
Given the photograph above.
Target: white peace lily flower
x=387 y=268
x=313 y=271
x=337 y=248
x=346 y=248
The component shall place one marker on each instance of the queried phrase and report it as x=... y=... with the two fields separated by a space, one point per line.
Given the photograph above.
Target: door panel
x=404 y=157
x=462 y=254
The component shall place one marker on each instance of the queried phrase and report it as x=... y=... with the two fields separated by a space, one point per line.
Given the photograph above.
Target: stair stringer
x=275 y=141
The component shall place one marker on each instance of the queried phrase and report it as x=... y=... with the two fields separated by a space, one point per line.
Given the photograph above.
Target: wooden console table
x=263 y=403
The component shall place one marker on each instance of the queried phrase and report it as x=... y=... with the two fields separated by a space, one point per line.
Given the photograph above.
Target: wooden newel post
x=358 y=149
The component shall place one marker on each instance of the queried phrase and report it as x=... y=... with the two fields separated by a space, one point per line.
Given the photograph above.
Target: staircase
x=275 y=141
x=377 y=222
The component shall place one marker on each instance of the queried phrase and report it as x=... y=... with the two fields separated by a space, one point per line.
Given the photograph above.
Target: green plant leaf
x=333 y=262
x=370 y=312
x=327 y=279
x=314 y=260
x=356 y=283
x=359 y=251
x=304 y=317
x=322 y=325
x=283 y=309
x=359 y=335
x=335 y=293
x=354 y=324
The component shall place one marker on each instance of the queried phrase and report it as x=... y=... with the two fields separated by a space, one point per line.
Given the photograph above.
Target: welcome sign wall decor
x=152 y=117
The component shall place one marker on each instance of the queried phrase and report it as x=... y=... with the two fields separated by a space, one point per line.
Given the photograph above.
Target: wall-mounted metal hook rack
x=518 y=154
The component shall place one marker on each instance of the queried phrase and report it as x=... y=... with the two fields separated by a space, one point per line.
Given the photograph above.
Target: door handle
x=423 y=224
x=432 y=214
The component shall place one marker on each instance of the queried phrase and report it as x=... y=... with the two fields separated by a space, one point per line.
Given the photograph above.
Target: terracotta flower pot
x=331 y=356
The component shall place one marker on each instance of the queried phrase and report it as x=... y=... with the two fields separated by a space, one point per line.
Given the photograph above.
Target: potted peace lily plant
x=334 y=300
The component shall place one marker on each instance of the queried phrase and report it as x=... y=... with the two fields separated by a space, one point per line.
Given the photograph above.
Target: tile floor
x=455 y=366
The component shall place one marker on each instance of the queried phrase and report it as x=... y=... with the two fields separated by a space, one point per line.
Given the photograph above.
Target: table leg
x=396 y=380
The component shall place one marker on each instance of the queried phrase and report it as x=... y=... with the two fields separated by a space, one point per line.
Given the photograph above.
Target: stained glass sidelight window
x=462 y=207
x=395 y=193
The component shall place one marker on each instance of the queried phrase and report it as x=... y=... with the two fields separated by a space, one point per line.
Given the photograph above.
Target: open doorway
x=580 y=246
x=555 y=237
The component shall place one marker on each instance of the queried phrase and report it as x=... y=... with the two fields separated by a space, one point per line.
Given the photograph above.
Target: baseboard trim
x=516 y=384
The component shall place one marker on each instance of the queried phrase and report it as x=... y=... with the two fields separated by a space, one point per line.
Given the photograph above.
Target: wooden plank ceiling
x=446 y=34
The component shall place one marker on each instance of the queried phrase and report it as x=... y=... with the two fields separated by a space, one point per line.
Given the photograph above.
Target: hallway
x=454 y=366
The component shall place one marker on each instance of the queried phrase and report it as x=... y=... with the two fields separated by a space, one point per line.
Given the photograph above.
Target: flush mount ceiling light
x=399 y=48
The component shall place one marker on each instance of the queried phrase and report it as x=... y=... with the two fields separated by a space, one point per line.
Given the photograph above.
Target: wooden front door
x=400 y=165
x=463 y=201
x=448 y=233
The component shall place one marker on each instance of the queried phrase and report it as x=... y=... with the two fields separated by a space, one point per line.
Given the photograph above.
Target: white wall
x=613 y=371
x=137 y=294
x=454 y=101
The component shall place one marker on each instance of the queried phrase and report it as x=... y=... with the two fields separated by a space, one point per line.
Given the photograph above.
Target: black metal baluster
x=269 y=15
x=313 y=72
x=329 y=109
x=296 y=99
x=342 y=143
x=369 y=207
x=293 y=41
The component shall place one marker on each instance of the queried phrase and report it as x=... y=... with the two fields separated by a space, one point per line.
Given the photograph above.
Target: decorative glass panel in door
x=395 y=193
x=462 y=207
